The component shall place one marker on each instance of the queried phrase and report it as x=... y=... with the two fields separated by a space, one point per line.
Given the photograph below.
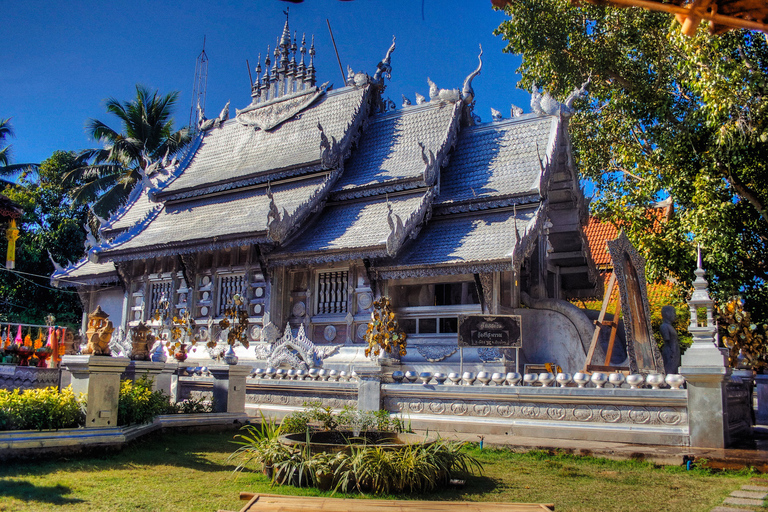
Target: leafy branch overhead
x=668 y=118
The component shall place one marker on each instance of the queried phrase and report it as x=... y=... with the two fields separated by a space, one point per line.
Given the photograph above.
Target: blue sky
x=61 y=60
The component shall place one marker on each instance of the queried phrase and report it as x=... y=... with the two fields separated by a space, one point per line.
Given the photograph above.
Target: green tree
x=50 y=222
x=8 y=170
x=107 y=176
x=666 y=116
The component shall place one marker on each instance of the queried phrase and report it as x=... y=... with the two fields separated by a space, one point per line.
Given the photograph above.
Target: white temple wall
x=550 y=337
x=112 y=301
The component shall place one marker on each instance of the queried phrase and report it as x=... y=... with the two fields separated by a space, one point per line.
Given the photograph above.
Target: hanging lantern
x=12 y=233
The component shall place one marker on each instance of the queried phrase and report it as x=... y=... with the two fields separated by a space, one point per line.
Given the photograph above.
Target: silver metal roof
x=234 y=154
x=355 y=229
x=85 y=272
x=499 y=159
x=212 y=221
x=465 y=243
x=389 y=149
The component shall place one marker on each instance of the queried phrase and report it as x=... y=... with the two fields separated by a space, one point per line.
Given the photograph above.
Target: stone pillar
x=99 y=378
x=707 y=405
x=167 y=380
x=229 y=387
x=761 y=389
x=368 y=387
x=706 y=371
x=160 y=373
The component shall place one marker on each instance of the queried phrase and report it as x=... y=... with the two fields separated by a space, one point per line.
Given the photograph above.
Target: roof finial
x=698 y=256
x=384 y=68
x=467 y=93
x=310 y=76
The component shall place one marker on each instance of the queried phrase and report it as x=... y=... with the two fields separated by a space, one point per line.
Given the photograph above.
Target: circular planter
x=336 y=441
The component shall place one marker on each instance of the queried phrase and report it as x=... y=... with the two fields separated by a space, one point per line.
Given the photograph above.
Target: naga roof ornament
x=396 y=231
x=442 y=95
x=384 y=68
x=330 y=151
x=544 y=104
x=432 y=168
x=207 y=124
x=467 y=93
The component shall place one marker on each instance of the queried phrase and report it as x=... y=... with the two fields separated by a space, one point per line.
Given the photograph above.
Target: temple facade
x=312 y=202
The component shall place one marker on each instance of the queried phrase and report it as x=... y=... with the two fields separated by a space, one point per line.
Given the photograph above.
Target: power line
x=20 y=276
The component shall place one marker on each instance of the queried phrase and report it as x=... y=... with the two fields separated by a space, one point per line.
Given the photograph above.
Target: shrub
x=193 y=406
x=349 y=419
x=139 y=404
x=296 y=422
x=38 y=409
x=413 y=468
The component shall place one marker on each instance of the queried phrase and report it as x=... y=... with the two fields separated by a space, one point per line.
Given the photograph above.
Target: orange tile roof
x=598 y=233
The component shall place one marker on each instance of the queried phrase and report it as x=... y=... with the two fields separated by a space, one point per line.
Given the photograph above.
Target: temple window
x=432 y=309
x=159 y=290
x=331 y=292
x=436 y=294
x=229 y=285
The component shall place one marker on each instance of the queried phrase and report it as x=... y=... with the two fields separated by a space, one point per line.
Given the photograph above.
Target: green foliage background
x=666 y=116
x=50 y=222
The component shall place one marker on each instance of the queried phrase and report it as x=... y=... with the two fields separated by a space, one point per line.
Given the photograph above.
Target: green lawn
x=189 y=471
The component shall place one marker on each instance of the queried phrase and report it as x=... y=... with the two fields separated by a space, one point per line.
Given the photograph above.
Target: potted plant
x=260 y=445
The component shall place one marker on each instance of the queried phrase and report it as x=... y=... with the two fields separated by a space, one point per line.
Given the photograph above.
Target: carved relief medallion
x=437 y=407
x=361 y=330
x=299 y=308
x=556 y=412
x=364 y=301
x=329 y=333
x=582 y=413
x=610 y=413
x=669 y=416
x=482 y=409
x=460 y=409
x=640 y=415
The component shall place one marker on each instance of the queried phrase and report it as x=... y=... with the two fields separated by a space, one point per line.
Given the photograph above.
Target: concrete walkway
x=752 y=495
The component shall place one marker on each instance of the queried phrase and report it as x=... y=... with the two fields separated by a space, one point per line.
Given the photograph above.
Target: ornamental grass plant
x=360 y=466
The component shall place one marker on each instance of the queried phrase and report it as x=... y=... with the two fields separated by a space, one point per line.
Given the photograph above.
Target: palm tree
x=109 y=175
x=9 y=172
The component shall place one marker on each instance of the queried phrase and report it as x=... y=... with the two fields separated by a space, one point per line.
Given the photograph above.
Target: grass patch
x=190 y=471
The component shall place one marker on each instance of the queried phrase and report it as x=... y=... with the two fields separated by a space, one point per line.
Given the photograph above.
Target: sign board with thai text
x=502 y=331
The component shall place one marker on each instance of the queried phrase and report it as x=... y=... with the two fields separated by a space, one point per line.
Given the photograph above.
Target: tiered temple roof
x=314 y=175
